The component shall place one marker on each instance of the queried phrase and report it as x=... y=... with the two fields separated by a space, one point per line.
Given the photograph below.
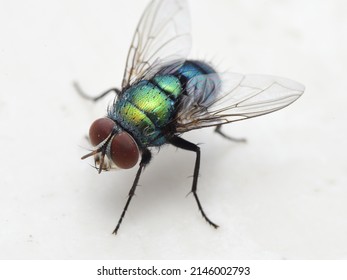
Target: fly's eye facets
x=124 y=150
x=100 y=130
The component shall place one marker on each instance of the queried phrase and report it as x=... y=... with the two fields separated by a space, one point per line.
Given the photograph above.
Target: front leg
x=185 y=145
x=146 y=157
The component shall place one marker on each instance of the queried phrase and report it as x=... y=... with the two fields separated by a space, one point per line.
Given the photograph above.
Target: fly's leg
x=185 y=145
x=96 y=98
x=146 y=157
x=218 y=130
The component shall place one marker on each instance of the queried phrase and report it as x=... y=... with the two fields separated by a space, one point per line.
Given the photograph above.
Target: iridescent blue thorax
x=148 y=108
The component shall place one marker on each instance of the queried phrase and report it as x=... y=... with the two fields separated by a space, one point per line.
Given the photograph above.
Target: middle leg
x=185 y=145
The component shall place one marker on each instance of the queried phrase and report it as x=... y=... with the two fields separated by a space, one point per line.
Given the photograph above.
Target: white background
x=280 y=196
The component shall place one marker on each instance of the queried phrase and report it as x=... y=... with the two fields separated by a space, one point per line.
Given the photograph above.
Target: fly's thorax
x=111 y=141
x=170 y=84
x=147 y=107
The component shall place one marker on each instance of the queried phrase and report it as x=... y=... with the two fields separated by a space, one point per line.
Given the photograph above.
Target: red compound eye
x=100 y=130
x=124 y=150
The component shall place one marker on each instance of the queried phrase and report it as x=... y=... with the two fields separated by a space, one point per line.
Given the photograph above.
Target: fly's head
x=113 y=146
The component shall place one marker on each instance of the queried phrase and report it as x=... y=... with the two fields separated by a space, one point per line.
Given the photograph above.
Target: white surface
x=282 y=195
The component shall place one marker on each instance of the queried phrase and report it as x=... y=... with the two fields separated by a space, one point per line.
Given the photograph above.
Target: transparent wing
x=218 y=99
x=162 y=37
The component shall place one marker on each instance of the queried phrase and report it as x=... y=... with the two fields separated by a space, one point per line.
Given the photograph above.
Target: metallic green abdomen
x=147 y=107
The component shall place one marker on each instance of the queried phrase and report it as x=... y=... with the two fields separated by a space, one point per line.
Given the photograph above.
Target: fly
x=164 y=94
